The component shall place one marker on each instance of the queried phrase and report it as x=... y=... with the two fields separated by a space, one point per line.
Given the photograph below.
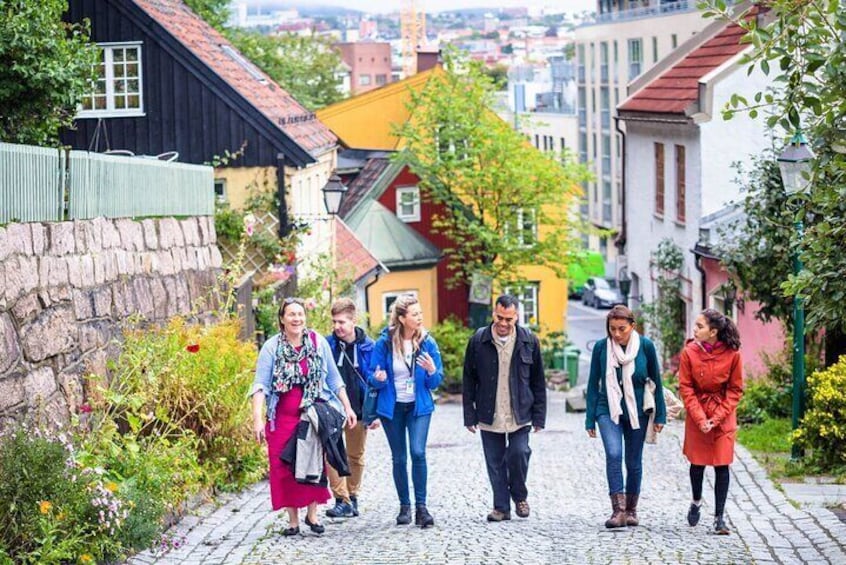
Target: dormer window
x=408 y=204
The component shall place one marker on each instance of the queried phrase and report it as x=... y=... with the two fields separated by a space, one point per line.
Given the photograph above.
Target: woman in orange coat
x=711 y=385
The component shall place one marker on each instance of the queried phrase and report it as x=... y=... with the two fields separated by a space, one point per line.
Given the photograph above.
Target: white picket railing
x=40 y=184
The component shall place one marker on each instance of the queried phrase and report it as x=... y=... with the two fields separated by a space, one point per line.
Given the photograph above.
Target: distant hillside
x=305 y=8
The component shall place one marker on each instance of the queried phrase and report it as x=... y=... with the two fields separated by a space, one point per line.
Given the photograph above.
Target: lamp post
x=625 y=283
x=729 y=297
x=795 y=166
x=333 y=195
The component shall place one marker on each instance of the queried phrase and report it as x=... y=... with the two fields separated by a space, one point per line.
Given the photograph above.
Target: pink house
x=758 y=338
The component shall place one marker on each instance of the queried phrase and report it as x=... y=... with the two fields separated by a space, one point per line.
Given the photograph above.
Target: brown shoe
x=498 y=516
x=522 y=509
x=631 y=510
x=618 y=516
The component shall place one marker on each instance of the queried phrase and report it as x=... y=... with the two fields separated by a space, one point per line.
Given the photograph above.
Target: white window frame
x=527 y=293
x=414 y=216
x=364 y=80
x=223 y=195
x=521 y=217
x=635 y=57
x=386 y=308
x=717 y=301
x=108 y=64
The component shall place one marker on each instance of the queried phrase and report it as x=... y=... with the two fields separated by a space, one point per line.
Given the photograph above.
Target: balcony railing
x=661 y=8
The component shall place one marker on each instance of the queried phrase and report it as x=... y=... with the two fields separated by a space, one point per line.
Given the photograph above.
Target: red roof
x=349 y=250
x=677 y=89
x=208 y=45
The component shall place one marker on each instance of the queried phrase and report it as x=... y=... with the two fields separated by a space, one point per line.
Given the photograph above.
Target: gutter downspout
x=367 y=289
x=282 y=210
x=620 y=240
x=697 y=262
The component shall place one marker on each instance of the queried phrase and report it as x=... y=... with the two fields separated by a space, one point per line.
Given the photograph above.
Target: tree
x=46 y=66
x=498 y=75
x=214 y=12
x=801 y=44
x=665 y=316
x=756 y=247
x=305 y=66
x=495 y=187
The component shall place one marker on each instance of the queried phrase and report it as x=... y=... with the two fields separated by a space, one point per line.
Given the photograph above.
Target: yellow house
x=386 y=212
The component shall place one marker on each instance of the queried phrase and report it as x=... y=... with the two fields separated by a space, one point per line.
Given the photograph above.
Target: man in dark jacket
x=351 y=349
x=504 y=396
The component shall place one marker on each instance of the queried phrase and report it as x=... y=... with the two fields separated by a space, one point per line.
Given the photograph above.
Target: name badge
x=409 y=386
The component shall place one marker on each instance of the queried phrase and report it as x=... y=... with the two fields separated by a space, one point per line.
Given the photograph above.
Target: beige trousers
x=345 y=487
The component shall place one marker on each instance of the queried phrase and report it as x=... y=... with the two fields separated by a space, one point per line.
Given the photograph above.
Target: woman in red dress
x=711 y=385
x=294 y=371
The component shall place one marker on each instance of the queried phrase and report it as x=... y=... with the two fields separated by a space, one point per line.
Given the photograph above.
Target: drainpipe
x=620 y=242
x=282 y=210
x=697 y=262
x=367 y=288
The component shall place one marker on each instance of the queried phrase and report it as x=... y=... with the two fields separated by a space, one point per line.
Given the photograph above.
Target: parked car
x=599 y=292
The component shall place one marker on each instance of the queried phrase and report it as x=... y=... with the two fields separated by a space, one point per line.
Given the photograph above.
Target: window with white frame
x=388 y=299
x=220 y=190
x=118 y=88
x=408 y=203
x=527 y=226
x=527 y=296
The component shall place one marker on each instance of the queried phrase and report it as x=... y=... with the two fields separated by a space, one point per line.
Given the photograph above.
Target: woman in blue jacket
x=619 y=369
x=405 y=368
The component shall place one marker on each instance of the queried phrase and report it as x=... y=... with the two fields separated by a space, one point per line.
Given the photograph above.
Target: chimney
x=428 y=59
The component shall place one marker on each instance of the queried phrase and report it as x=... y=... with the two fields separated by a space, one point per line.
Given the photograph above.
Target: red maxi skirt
x=285 y=491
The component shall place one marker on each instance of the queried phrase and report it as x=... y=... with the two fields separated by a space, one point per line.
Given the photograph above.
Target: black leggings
x=721 y=485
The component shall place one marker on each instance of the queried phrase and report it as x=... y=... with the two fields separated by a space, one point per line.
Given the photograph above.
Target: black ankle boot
x=404 y=516
x=422 y=517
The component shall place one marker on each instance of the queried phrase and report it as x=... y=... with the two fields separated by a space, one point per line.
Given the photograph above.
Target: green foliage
x=756 y=247
x=770 y=435
x=768 y=396
x=823 y=429
x=56 y=510
x=498 y=74
x=665 y=317
x=321 y=283
x=304 y=66
x=800 y=44
x=492 y=183
x=215 y=12
x=183 y=381
x=452 y=337
x=47 y=66
x=552 y=343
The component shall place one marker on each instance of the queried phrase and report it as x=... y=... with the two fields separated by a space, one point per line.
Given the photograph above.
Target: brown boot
x=631 y=510
x=618 y=506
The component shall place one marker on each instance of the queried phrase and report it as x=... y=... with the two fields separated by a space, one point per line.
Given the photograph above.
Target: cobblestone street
x=569 y=505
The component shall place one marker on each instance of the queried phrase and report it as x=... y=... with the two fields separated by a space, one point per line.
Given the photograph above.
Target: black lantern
x=795 y=165
x=729 y=297
x=333 y=194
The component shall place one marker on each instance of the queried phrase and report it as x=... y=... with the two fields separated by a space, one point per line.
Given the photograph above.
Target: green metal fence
x=32 y=182
x=39 y=184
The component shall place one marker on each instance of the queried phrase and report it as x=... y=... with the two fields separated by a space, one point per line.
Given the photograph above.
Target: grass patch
x=770 y=436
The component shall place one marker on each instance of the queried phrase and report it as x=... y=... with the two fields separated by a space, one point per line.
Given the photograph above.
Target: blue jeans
x=614 y=436
x=418 y=430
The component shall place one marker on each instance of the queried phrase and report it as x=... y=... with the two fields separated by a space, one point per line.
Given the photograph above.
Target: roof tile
x=677 y=89
x=208 y=45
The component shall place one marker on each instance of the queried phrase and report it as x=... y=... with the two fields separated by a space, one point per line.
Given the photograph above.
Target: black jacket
x=526 y=379
x=330 y=433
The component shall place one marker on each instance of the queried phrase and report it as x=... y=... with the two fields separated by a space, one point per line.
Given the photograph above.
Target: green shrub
x=452 y=337
x=770 y=395
x=823 y=429
x=551 y=343
x=55 y=510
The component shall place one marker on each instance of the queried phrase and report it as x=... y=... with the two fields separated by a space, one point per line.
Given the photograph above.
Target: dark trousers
x=507 y=459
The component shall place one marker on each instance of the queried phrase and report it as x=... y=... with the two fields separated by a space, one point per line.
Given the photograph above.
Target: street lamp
x=333 y=195
x=729 y=297
x=795 y=166
x=625 y=283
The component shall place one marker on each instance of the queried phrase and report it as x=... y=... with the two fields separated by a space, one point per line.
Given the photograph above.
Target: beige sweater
x=503 y=421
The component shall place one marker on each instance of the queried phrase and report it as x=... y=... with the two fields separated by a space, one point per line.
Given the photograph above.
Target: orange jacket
x=711 y=384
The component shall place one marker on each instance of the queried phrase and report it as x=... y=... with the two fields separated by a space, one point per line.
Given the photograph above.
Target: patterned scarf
x=287 y=372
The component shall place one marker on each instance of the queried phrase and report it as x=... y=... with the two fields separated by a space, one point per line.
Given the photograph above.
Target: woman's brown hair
x=618 y=312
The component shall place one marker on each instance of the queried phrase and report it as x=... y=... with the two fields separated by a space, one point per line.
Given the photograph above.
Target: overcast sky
x=440 y=5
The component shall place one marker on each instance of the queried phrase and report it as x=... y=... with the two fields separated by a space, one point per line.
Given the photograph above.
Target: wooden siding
x=185 y=111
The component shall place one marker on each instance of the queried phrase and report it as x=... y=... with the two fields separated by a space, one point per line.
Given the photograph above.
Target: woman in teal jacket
x=405 y=368
x=619 y=369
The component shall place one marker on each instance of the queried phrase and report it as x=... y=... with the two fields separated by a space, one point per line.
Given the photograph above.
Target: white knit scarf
x=616 y=357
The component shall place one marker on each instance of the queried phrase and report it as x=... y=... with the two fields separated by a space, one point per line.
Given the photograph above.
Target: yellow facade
x=241 y=180
x=423 y=282
x=552 y=297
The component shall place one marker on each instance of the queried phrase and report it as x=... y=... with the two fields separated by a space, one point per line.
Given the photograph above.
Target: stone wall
x=67 y=287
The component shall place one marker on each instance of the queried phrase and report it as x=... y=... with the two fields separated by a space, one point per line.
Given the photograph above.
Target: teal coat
x=646 y=366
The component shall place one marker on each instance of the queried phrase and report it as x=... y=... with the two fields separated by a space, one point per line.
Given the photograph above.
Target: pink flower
x=249 y=224
x=193 y=348
x=85 y=408
x=310 y=304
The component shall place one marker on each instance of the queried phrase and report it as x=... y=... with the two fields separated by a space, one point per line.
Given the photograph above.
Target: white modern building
x=625 y=39
x=680 y=154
